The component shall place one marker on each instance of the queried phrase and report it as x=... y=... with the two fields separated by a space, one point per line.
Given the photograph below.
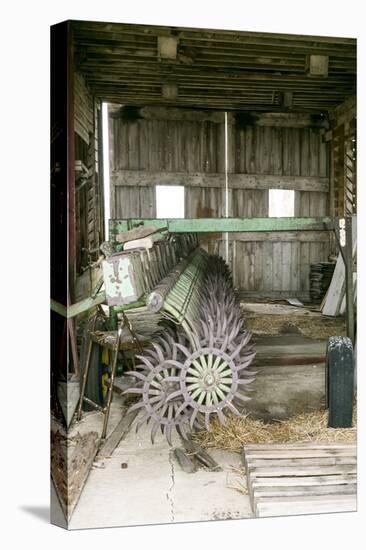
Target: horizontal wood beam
x=284 y=120
x=98 y=67
x=217 y=225
x=132 y=81
x=141 y=178
x=311 y=107
x=218 y=35
x=97 y=50
x=136 y=43
x=281 y=236
x=199 y=71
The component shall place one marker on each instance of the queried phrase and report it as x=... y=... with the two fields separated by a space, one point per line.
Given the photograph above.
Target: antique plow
x=199 y=368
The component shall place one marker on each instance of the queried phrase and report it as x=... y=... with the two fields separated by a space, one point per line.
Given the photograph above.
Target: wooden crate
x=301 y=478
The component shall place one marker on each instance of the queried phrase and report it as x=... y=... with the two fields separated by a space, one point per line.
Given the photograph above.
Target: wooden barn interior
x=232 y=118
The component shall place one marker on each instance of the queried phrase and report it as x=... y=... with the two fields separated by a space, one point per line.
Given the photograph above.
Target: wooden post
x=348 y=261
x=71 y=164
x=339 y=171
x=60 y=60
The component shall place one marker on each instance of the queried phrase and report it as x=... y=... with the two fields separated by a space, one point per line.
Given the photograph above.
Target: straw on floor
x=300 y=428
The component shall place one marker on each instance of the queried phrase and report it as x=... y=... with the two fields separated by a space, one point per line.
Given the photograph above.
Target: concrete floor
x=154 y=489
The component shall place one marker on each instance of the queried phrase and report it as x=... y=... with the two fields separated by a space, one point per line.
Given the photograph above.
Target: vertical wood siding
x=199 y=147
x=89 y=198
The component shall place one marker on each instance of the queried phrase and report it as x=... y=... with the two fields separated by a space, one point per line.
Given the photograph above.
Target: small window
x=169 y=201
x=281 y=203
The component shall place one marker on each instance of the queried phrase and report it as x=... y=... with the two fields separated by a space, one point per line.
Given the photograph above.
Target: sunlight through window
x=169 y=201
x=281 y=203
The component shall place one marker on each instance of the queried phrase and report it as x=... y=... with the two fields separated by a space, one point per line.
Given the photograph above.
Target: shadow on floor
x=40 y=512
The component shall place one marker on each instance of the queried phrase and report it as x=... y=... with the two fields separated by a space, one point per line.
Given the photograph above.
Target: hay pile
x=300 y=428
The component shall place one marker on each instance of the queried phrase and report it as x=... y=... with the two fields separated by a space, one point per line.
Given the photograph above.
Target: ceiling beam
x=208 y=34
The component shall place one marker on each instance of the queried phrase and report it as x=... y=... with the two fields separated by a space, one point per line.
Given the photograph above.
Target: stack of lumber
x=320 y=276
x=334 y=302
x=301 y=478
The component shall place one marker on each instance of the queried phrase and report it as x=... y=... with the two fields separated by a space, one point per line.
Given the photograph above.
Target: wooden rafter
x=231 y=70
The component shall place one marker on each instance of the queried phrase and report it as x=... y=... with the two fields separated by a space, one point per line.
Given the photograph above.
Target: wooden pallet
x=301 y=478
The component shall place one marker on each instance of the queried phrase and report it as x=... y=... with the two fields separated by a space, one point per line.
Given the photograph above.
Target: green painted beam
x=215 y=225
x=79 y=307
x=58 y=308
x=88 y=303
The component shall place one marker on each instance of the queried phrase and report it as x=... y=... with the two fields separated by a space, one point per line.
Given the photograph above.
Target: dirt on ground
x=317 y=327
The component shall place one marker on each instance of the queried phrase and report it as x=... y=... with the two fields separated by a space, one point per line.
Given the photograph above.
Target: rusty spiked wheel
x=157 y=376
x=210 y=382
x=202 y=371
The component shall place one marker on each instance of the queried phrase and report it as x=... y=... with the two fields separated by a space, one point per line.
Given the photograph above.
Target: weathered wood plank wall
x=193 y=153
x=89 y=196
x=342 y=138
x=282 y=266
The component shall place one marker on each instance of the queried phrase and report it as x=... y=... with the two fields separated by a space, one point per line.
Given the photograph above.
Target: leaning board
x=301 y=478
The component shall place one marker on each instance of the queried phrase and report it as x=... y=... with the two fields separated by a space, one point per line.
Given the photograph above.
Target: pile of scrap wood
x=334 y=302
x=321 y=275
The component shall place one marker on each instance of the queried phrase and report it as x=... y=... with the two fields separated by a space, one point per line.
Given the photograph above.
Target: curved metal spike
x=157 y=401
x=237 y=351
x=241 y=397
x=159 y=352
x=183 y=431
x=181 y=408
x=136 y=374
x=246 y=374
x=171 y=346
x=141 y=421
x=166 y=346
x=135 y=407
x=204 y=328
x=184 y=350
x=207 y=421
x=245 y=364
x=224 y=324
x=221 y=416
x=242 y=382
x=151 y=354
x=233 y=409
x=154 y=429
x=137 y=391
x=168 y=434
x=173 y=363
x=193 y=417
x=224 y=344
x=146 y=362
x=211 y=339
x=173 y=395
